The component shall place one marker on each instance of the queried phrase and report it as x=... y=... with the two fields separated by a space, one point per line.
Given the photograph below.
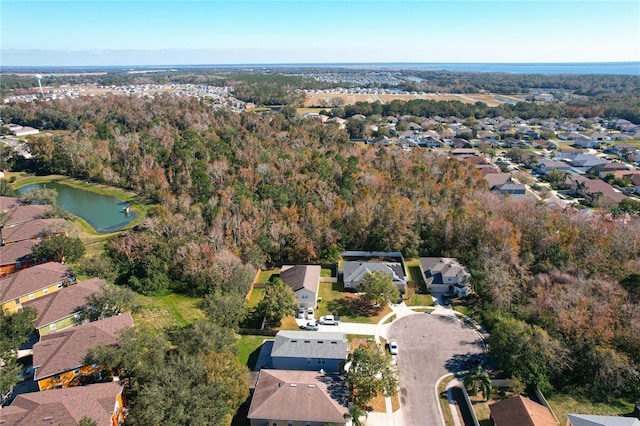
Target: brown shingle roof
x=66 y=302
x=32 y=279
x=301 y=276
x=63 y=351
x=299 y=396
x=19 y=251
x=32 y=229
x=8 y=203
x=521 y=411
x=63 y=406
x=25 y=213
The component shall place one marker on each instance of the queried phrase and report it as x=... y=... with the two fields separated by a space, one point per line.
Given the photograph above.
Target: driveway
x=430 y=346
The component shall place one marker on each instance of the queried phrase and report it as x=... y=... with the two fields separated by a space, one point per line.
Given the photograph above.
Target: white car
x=393 y=347
x=310 y=313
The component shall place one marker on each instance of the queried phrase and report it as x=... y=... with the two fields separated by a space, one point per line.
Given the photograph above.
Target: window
x=18 y=264
x=308 y=360
x=59 y=285
x=56 y=377
x=94 y=365
x=304 y=296
x=76 y=371
x=45 y=291
x=17 y=301
x=52 y=326
x=32 y=296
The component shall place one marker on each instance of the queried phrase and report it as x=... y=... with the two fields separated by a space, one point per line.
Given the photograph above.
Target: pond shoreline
x=137 y=204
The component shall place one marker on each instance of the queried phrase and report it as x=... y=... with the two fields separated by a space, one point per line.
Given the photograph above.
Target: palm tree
x=478 y=379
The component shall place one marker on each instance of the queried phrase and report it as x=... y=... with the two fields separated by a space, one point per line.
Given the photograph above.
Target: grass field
x=265 y=275
x=314 y=101
x=348 y=306
x=169 y=310
x=248 y=349
x=562 y=404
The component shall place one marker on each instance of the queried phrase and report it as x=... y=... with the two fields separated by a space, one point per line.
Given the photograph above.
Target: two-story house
x=309 y=350
x=444 y=274
x=32 y=283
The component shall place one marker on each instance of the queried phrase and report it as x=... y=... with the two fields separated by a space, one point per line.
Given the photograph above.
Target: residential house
x=33 y=230
x=603 y=170
x=102 y=402
x=304 y=281
x=568 y=154
x=545 y=166
x=591 y=420
x=584 y=142
x=32 y=283
x=62 y=309
x=25 y=131
x=309 y=350
x=596 y=189
x=586 y=161
x=521 y=411
x=445 y=274
x=391 y=263
x=58 y=358
x=15 y=257
x=300 y=398
x=475 y=160
x=463 y=151
x=497 y=179
x=515 y=190
x=544 y=144
x=460 y=143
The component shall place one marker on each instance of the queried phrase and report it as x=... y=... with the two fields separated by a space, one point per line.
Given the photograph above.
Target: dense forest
x=558 y=290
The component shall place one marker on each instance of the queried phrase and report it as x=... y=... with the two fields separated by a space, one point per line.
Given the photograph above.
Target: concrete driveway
x=430 y=346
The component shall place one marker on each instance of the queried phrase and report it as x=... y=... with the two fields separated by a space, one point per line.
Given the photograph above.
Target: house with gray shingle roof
x=310 y=398
x=309 y=350
x=304 y=281
x=359 y=263
x=591 y=420
x=445 y=274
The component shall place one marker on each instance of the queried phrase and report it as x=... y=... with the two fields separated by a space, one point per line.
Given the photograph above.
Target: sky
x=118 y=32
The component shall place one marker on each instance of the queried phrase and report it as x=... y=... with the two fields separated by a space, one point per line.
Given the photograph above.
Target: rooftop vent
x=293 y=385
x=311 y=385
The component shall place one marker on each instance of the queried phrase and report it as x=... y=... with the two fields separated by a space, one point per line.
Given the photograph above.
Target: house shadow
x=353 y=307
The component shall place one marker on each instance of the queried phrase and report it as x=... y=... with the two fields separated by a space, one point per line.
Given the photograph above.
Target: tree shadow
x=462 y=362
x=353 y=307
x=336 y=388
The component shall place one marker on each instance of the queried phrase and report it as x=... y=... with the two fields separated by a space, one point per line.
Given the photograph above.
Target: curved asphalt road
x=429 y=346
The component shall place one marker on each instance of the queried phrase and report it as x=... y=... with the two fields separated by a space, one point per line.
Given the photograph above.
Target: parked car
x=329 y=320
x=311 y=325
x=310 y=312
x=393 y=347
x=301 y=313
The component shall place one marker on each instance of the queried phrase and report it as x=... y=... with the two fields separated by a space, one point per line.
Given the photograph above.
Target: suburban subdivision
x=319 y=245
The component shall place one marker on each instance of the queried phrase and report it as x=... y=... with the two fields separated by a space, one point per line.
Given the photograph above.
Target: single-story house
x=594 y=188
x=58 y=358
x=497 y=179
x=60 y=310
x=102 y=402
x=15 y=257
x=304 y=280
x=545 y=166
x=519 y=410
x=309 y=350
x=354 y=273
x=592 y=420
x=33 y=230
x=32 y=283
x=511 y=189
x=301 y=398
x=26 y=130
x=445 y=274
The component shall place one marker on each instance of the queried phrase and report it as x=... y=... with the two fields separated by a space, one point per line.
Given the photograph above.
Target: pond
x=104 y=213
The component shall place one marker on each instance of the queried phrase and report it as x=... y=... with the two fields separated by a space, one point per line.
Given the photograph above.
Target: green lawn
x=565 y=403
x=419 y=300
x=169 y=310
x=265 y=276
x=249 y=349
x=256 y=296
x=325 y=272
x=347 y=305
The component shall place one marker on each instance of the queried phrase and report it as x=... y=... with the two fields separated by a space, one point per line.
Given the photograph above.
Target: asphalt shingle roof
x=310 y=344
